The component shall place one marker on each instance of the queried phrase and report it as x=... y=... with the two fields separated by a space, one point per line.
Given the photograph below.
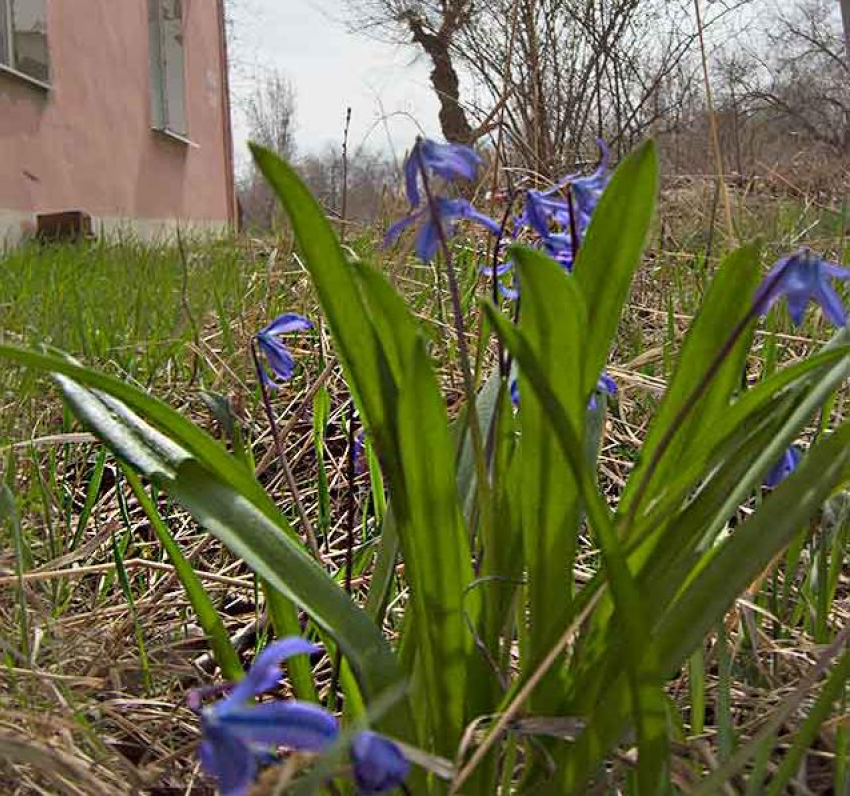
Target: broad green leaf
x=730 y=569
x=725 y=306
x=554 y=322
x=611 y=252
x=647 y=701
x=262 y=539
x=437 y=557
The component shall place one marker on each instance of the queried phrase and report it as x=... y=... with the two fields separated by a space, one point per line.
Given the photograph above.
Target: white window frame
x=8 y=67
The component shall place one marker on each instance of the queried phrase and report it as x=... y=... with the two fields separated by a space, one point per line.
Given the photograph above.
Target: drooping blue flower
x=449 y=161
x=587 y=190
x=801 y=277
x=237 y=732
x=379 y=764
x=449 y=212
x=784 y=467
x=277 y=356
x=605 y=385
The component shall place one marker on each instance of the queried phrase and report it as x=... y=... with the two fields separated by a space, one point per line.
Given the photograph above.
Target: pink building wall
x=87 y=143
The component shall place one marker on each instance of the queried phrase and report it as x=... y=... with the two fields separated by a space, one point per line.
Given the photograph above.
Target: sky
x=330 y=69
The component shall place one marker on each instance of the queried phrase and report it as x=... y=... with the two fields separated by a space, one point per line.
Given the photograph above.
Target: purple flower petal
x=295 y=725
x=801 y=277
x=265 y=672
x=229 y=760
x=784 y=467
x=427 y=241
x=278 y=357
x=288 y=322
x=379 y=765
x=393 y=233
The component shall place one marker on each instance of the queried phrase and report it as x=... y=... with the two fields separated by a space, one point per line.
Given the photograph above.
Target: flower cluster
x=556 y=219
x=560 y=215
x=238 y=733
x=450 y=162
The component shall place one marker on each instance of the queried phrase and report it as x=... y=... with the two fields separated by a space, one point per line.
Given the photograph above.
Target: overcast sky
x=330 y=69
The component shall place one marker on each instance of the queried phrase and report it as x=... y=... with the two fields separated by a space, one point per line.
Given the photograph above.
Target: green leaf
x=725 y=305
x=611 y=252
x=259 y=536
x=554 y=322
x=646 y=704
x=437 y=556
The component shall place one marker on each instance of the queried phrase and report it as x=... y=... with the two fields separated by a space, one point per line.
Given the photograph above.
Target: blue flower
x=800 y=277
x=784 y=467
x=545 y=207
x=449 y=161
x=279 y=360
x=237 y=732
x=379 y=765
x=548 y=214
x=428 y=238
x=605 y=385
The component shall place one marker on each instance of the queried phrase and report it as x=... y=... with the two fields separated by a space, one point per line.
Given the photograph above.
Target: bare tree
x=270 y=114
x=553 y=75
x=845 y=16
x=799 y=81
x=434 y=26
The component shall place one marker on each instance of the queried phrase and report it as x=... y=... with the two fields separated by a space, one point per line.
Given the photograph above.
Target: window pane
x=29 y=43
x=157 y=67
x=172 y=42
x=4 y=33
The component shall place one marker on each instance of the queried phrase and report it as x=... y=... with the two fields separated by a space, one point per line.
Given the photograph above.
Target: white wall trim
x=15 y=226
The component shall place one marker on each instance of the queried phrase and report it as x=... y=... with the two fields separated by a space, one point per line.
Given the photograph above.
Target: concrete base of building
x=16 y=227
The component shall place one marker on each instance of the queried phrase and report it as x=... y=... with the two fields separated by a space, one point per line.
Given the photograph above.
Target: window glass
x=5 y=55
x=168 y=102
x=28 y=43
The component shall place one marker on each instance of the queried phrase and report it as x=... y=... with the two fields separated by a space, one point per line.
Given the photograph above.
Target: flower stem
x=463 y=354
x=306 y=525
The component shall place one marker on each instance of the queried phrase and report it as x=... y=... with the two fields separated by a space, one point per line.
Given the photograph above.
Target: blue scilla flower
x=449 y=211
x=449 y=161
x=548 y=215
x=278 y=358
x=379 y=765
x=237 y=733
x=545 y=207
x=605 y=384
x=784 y=467
x=801 y=277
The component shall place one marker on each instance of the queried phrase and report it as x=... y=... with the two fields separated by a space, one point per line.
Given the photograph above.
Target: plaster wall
x=86 y=142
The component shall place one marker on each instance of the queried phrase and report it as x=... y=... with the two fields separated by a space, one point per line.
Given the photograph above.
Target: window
x=23 y=38
x=168 y=100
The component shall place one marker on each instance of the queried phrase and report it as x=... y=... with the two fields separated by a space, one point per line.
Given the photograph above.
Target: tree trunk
x=845 y=15
x=444 y=79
